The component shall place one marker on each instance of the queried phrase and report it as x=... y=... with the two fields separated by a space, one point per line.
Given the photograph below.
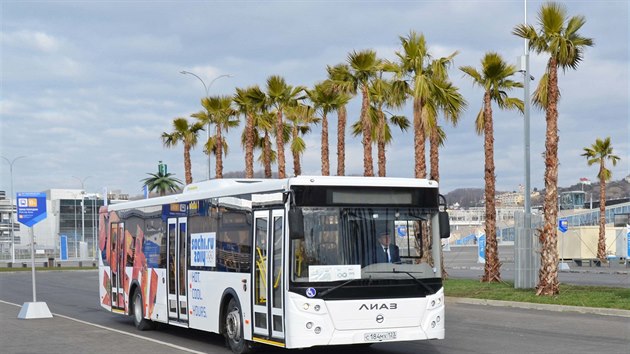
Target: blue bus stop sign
x=481 y=249
x=31 y=207
x=563 y=225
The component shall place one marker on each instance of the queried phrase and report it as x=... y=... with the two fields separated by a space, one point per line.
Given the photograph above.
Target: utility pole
x=206 y=88
x=11 y=231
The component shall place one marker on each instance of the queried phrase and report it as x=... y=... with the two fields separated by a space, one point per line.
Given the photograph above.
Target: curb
x=541 y=307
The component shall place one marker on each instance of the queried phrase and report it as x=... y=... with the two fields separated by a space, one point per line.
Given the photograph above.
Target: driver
x=386 y=252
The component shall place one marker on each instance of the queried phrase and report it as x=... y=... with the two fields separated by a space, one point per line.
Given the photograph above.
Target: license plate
x=379 y=336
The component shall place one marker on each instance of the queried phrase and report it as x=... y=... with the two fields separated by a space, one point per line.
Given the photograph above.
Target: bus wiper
x=414 y=278
x=337 y=287
x=425 y=286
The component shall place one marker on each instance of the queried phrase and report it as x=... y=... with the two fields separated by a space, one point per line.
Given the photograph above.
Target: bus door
x=117 y=232
x=177 y=234
x=268 y=277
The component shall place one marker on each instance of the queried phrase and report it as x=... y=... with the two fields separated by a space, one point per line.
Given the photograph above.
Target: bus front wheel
x=138 y=312
x=234 y=329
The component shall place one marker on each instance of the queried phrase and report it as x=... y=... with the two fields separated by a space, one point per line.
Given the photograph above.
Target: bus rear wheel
x=234 y=329
x=138 y=313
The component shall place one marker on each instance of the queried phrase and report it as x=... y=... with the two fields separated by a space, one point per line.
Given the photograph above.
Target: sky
x=88 y=87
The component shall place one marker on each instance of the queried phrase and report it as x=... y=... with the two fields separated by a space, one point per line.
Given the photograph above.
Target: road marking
x=117 y=331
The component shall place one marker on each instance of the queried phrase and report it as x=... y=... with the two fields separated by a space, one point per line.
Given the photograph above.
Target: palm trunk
x=548 y=275
x=341 y=140
x=280 y=145
x=435 y=175
x=249 y=146
x=434 y=156
x=419 y=138
x=368 y=163
x=382 y=162
x=187 y=169
x=297 y=167
x=601 y=243
x=219 y=157
x=267 y=155
x=427 y=256
x=325 y=157
x=492 y=269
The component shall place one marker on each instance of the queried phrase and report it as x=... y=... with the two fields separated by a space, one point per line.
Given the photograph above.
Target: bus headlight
x=318 y=330
x=309 y=325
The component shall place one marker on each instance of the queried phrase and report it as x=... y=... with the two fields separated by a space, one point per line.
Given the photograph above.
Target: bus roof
x=228 y=187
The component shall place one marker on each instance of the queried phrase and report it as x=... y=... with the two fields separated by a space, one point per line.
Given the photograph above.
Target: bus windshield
x=346 y=243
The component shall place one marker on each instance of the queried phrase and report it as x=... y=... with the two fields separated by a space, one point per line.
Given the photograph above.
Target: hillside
x=471 y=197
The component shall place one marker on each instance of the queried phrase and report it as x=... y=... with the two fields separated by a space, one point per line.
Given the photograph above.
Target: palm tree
x=262 y=129
x=494 y=79
x=344 y=86
x=300 y=117
x=559 y=38
x=223 y=116
x=364 y=66
x=388 y=94
x=249 y=102
x=280 y=96
x=598 y=153
x=425 y=74
x=452 y=104
x=162 y=182
x=326 y=98
x=186 y=133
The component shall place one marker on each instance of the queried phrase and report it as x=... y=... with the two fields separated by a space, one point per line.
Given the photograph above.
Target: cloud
x=30 y=40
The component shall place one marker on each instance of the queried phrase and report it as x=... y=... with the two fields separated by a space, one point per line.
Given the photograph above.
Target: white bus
x=293 y=263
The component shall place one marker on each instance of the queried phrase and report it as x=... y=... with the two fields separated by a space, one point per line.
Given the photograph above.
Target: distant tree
x=494 y=78
x=162 y=183
x=188 y=135
x=559 y=38
x=598 y=153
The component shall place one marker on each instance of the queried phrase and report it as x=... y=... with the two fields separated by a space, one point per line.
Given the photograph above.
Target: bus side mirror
x=445 y=226
x=296 y=224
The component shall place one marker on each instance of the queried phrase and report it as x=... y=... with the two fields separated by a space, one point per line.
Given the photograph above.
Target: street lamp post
x=206 y=88
x=82 y=206
x=525 y=267
x=11 y=233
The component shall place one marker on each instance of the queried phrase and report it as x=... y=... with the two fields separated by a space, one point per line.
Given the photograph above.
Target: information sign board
x=31 y=207
x=563 y=225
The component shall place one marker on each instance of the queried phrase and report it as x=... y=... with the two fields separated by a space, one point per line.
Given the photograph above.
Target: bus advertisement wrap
x=203 y=249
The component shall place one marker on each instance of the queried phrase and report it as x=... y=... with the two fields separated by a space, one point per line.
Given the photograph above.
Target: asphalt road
x=469 y=328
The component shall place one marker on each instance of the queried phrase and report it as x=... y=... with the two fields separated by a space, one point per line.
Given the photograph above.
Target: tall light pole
x=11 y=233
x=82 y=206
x=206 y=88
x=525 y=267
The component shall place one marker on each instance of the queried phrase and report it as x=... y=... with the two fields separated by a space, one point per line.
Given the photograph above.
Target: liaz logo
x=368 y=307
